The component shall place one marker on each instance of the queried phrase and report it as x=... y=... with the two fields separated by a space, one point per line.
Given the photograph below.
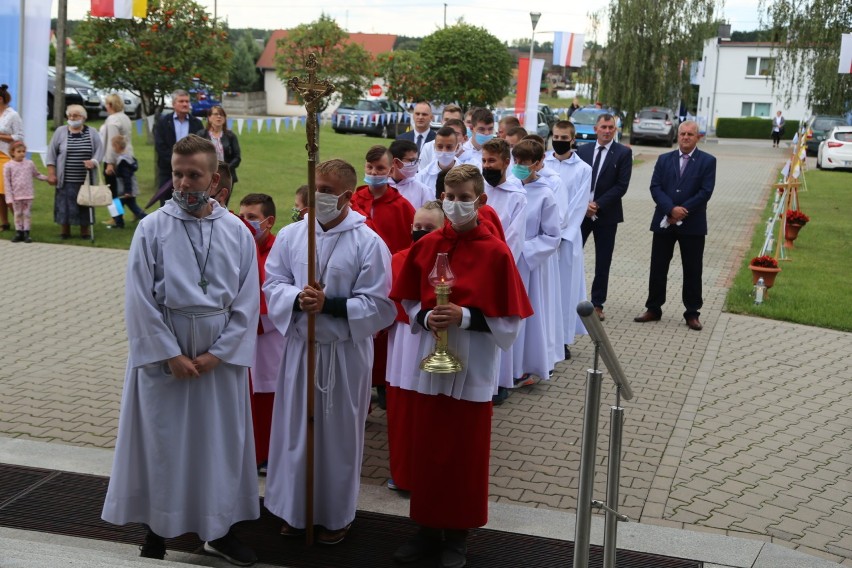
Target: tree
x=649 y=47
x=404 y=75
x=175 y=44
x=807 y=35
x=346 y=64
x=467 y=65
x=244 y=74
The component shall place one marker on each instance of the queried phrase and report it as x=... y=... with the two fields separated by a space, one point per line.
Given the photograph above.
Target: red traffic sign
x=376 y=91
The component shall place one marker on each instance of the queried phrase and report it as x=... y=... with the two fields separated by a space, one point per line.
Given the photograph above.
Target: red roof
x=373 y=43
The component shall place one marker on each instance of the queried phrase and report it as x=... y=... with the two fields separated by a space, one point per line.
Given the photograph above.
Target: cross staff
x=312 y=90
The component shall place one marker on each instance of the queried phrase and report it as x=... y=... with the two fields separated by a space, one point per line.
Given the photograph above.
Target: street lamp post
x=534 y=18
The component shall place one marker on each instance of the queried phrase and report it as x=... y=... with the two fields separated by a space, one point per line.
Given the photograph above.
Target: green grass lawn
x=813 y=286
x=273 y=163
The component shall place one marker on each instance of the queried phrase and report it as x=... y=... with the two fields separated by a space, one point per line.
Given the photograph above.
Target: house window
x=293 y=97
x=760 y=67
x=756 y=109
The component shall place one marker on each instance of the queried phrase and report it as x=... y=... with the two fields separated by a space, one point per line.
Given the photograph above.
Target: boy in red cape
x=450 y=418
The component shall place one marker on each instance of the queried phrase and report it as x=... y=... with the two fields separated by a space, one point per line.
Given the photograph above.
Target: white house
x=283 y=103
x=735 y=79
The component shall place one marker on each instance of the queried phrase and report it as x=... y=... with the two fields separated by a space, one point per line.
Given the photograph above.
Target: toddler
x=125 y=175
x=18 y=179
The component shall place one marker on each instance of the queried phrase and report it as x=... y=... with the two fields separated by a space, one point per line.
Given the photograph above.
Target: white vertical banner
x=36 y=27
x=240 y=123
x=845 y=54
x=277 y=124
x=533 y=93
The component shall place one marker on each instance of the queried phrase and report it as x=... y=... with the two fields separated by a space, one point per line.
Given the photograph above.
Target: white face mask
x=445 y=158
x=408 y=170
x=327 y=209
x=459 y=212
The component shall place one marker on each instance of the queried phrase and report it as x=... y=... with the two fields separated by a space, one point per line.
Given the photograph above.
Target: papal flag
x=119 y=8
x=568 y=49
x=845 y=54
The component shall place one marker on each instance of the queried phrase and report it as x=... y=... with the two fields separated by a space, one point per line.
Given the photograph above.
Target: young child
x=125 y=176
x=18 y=179
x=450 y=422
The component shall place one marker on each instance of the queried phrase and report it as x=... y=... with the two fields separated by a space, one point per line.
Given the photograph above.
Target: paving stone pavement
x=740 y=429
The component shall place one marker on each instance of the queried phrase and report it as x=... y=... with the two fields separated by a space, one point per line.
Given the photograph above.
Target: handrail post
x=613 y=476
x=583 y=525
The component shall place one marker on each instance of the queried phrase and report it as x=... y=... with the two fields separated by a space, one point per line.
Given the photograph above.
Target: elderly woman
x=116 y=124
x=73 y=153
x=11 y=130
x=225 y=141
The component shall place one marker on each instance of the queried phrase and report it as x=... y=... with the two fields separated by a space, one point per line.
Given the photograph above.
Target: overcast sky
x=506 y=19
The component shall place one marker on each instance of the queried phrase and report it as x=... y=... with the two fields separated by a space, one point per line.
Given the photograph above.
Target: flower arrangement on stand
x=765 y=267
x=795 y=221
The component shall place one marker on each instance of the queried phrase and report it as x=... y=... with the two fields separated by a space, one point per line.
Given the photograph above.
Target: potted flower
x=765 y=267
x=795 y=221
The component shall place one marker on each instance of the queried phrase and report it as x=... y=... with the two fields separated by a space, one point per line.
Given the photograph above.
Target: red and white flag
x=119 y=8
x=845 y=54
x=568 y=49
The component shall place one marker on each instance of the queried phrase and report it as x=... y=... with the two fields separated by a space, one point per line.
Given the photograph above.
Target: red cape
x=484 y=269
x=390 y=216
x=397 y=262
x=489 y=216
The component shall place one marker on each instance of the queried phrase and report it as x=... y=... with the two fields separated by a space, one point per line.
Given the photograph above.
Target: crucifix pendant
x=203 y=283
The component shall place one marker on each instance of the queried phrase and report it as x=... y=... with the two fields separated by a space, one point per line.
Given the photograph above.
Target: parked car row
x=379 y=117
x=654 y=124
x=819 y=130
x=835 y=150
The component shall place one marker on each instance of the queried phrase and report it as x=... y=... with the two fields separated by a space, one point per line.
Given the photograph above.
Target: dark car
x=584 y=120
x=820 y=127
x=202 y=100
x=381 y=117
x=76 y=93
x=550 y=117
x=654 y=124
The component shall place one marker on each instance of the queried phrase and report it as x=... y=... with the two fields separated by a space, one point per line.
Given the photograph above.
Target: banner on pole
x=845 y=54
x=119 y=8
x=568 y=49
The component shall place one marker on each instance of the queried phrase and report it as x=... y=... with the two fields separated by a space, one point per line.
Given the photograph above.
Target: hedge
x=752 y=127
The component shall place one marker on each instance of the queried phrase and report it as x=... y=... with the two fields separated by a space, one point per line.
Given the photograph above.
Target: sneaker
x=526 y=380
x=567 y=353
x=263 y=468
x=392 y=486
x=328 y=537
x=500 y=397
x=232 y=550
x=154 y=546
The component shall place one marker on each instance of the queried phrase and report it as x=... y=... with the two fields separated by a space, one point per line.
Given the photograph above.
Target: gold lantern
x=441 y=361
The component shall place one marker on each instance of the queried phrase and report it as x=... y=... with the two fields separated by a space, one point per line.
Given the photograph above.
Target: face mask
x=459 y=212
x=469 y=132
x=258 y=232
x=182 y=198
x=418 y=234
x=408 y=170
x=327 y=209
x=521 y=172
x=75 y=123
x=376 y=181
x=491 y=176
x=562 y=146
x=297 y=215
x=445 y=158
x=482 y=138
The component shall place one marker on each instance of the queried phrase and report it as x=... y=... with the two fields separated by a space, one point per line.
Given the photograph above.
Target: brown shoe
x=289 y=531
x=693 y=323
x=647 y=316
x=328 y=537
x=599 y=311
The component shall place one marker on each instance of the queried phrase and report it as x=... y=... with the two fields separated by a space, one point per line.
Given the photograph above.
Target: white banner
x=533 y=92
x=845 y=54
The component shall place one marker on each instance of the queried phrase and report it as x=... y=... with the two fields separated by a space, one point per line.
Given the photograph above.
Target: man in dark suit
x=421 y=133
x=681 y=186
x=168 y=129
x=612 y=165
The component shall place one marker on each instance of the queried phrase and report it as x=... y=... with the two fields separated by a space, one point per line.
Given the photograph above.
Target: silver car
x=654 y=124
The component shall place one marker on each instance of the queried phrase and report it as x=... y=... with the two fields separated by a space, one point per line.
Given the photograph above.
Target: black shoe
x=567 y=353
x=500 y=397
x=86 y=237
x=19 y=237
x=454 y=551
x=232 y=550
x=425 y=543
x=154 y=547
x=381 y=397
x=115 y=226
x=27 y=238
x=64 y=237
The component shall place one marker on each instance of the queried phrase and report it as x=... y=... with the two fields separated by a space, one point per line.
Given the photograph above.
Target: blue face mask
x=482 y=138
x=521 y=172
x=469 y=132
x=376 y=181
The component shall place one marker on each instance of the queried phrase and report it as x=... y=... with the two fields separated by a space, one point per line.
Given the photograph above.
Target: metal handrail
x=596 y=331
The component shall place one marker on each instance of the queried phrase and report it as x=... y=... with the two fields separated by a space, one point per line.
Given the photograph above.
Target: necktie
x=684 y=159
x=595 y=168
x=419 y=142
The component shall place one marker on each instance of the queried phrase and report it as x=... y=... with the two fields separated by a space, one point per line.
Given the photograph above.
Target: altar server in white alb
x=184 y=458
x=351 y=301
x=573 y=202
x=533 y=358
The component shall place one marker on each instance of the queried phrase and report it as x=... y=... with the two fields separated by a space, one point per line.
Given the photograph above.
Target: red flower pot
x=791 y=233
x=768 y=275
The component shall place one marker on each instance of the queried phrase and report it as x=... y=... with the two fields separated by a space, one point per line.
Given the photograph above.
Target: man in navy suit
x=168 y=129
x=681 y=186
x=421 y=133
x=612 y=165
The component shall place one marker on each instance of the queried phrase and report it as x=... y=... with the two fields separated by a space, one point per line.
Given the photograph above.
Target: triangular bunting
x=240 y=122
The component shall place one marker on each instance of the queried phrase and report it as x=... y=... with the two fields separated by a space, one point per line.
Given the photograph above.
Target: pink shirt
x=18 y=180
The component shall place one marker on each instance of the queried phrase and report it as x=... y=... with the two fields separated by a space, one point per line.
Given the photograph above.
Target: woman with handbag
x=72 y=158
x=225 y=141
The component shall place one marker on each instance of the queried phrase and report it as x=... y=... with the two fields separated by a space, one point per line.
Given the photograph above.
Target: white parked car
x=836 y=150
